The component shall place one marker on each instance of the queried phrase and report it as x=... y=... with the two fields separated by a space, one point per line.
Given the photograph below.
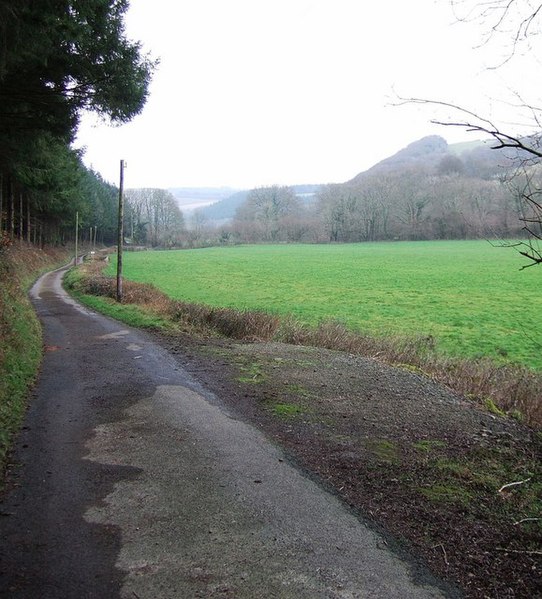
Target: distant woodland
x=428 y=190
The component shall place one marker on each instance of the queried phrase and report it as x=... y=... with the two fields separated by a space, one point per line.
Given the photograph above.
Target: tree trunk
x=28 y=225
x=20 y=228
x=11 y=225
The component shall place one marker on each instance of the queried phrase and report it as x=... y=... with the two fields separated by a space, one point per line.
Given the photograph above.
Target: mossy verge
x=20 y=332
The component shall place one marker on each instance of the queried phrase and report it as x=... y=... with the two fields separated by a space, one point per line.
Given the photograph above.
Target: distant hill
x=467 y=146
x=192 y=198
x=224 y=210
x=424 y=153
x=428 y=155
x=433 y=154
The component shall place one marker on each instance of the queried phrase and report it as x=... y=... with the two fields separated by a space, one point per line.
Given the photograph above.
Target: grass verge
x=20 y=332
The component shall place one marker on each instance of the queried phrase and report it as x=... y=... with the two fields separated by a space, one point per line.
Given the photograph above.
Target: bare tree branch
x=517 y=20
x=481 y=124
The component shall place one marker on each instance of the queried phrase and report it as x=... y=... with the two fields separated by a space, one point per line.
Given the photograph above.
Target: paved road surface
x=134 y=482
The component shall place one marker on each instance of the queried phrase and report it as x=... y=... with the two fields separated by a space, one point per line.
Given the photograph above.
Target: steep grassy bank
x=20 y=333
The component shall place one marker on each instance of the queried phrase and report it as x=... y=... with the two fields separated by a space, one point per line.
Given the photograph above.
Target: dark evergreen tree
x=58 y=58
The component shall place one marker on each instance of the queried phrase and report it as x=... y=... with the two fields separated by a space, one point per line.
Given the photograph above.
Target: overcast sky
x=261 y=92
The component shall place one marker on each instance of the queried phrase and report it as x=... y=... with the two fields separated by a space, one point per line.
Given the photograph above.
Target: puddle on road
x=115 y=335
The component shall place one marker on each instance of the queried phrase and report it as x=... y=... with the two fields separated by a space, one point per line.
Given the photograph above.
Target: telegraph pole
x=120 y=238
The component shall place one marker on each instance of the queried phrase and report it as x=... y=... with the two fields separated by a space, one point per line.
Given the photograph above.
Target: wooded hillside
x=428 y=190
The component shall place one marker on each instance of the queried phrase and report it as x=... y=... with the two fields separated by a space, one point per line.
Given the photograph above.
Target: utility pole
x=120 y=238
x=76 y=238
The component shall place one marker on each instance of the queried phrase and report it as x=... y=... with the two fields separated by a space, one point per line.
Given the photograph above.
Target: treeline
x=59 y=58
x=44 y=212
x=478 y=195
x=448 y=200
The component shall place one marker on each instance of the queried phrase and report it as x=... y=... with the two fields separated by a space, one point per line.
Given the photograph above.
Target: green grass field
x=470 y=296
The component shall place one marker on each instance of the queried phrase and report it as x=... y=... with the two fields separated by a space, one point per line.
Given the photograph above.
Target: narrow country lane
x=132 y=481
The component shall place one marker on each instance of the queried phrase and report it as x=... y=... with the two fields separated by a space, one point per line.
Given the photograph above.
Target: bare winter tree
x=510 y=24
x=267 y=211
x=513 y=25
x=155 y=217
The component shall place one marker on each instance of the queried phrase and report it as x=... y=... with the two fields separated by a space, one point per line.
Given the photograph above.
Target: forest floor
x=427 y=466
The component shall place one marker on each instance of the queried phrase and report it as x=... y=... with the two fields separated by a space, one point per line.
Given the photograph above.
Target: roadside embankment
x=20 y=332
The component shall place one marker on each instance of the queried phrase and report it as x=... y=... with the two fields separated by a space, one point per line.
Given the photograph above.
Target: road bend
x=130 y=480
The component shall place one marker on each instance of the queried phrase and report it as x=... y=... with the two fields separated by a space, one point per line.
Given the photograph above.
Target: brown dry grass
x=514 y=389
x=237 y=324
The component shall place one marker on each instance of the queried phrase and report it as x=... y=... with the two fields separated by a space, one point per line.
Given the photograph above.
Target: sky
x=261 y=92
